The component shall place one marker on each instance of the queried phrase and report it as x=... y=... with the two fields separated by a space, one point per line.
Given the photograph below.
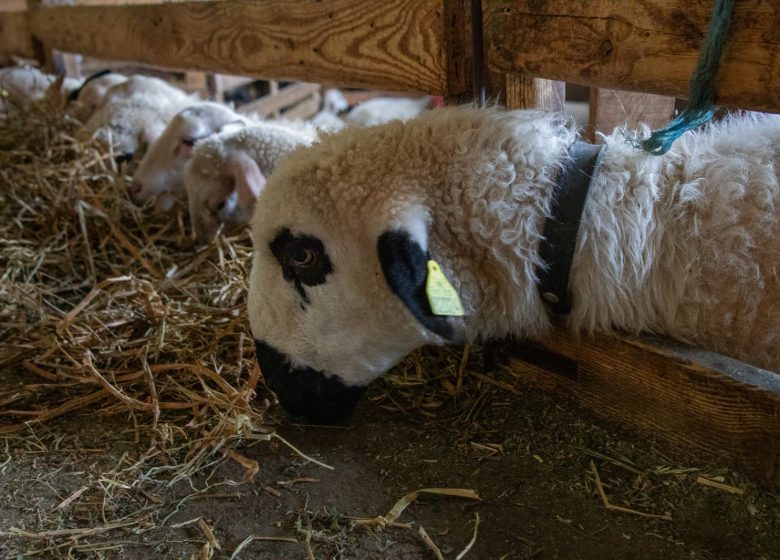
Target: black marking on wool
x=305 y=392
x=74 y=95
x=303 y=260
x=405 y=266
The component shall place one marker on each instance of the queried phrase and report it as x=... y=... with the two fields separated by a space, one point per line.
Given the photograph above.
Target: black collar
x=560 y=230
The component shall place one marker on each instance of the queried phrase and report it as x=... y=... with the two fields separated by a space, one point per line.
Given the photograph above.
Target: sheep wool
x=684 y=245
x=227 y=171
x=134 y=113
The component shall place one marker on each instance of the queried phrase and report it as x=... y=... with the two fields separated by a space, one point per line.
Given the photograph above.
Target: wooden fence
x=702 y=403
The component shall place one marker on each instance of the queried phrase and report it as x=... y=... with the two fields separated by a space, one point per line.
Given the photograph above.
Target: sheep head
x=337 y=289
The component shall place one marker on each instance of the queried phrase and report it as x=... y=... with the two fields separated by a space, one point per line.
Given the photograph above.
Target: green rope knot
x=702 y=97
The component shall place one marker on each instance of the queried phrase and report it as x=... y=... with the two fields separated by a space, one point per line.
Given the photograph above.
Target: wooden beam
x=273 y=103
x=610 y=108
x=684 y=399
x=650 y=45
x=525 y=92
x=393 y=45
x=15 y=35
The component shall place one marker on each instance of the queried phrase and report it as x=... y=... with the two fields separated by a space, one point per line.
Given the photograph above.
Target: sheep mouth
x=306 y=393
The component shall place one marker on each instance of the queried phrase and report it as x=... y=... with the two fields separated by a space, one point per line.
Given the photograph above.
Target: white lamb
x=686 y=245
x=134 y=113
x=227 y=171
x=380 y=110
x=160 y=173
x=86 y=100
x=21 y=86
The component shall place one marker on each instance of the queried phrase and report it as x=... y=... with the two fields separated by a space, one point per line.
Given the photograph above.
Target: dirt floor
x=533 y=463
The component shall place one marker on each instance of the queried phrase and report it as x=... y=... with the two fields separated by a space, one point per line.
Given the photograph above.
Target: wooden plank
x=686 y=400
x=649 y=45
x=394 y=45
x=525 y=92
x=304 y=109
x=15 y=35
x=610 y=108
x=272 y=103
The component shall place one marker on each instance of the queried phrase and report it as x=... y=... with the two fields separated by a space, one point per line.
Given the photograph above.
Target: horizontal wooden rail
x=391 y=45
x=705 y=404
x=275 y=102
x=649 y=46
x=15 y=35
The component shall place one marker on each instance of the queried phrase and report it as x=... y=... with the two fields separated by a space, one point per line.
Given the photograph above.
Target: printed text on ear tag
x=442 y=296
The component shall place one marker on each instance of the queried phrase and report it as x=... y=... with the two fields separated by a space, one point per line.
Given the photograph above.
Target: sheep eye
x=302 y=258
x=188 y=141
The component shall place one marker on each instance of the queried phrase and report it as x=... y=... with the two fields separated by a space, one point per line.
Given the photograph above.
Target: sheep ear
x=404 y=263
x=249 y=180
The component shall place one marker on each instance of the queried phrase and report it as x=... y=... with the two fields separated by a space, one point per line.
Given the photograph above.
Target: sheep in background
x=385 y=109
x=160 y=173
x=334 y=102
x=325 y=121
x=371 y=112
x=22 y=85
x=134 y=113
x=86 y=99
x=685 y=245
x=228 y=170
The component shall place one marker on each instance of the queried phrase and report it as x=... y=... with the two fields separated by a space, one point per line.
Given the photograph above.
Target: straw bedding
x=108 y=308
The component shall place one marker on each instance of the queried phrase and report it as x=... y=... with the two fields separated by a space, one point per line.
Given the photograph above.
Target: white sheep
x=20 y=86
x=160 y=173
x=325 y=121
x=227 y=171
x=380 y=110
x=685 y=245
x=134 y=113
x=86 y=99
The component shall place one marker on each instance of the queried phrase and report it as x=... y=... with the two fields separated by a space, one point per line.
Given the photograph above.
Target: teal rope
x=702 y=98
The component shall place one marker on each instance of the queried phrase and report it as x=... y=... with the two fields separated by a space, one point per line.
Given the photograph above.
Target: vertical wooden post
x=196 y=82
x=610 y=108
x=460 y=52
x=525 y=92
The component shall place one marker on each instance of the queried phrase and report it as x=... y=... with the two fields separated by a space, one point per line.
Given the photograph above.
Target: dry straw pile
x=107 y=308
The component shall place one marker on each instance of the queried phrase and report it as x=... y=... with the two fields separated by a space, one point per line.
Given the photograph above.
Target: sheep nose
x=136 y=187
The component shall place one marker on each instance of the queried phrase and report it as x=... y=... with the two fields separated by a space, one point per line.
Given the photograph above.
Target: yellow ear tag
x=442 y=296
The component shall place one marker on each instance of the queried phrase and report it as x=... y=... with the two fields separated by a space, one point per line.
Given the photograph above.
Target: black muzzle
x=305 y=392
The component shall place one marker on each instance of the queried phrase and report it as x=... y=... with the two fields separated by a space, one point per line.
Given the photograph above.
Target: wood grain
x=704 y=404
x=639 y=45
x=393 y=45
x=610 y=108
x=525 y=92
x=15 y=35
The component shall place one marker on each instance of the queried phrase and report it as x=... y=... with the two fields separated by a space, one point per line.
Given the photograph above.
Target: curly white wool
x=686 y=245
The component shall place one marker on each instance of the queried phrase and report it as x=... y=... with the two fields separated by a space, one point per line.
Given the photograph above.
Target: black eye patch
x=303 y=259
